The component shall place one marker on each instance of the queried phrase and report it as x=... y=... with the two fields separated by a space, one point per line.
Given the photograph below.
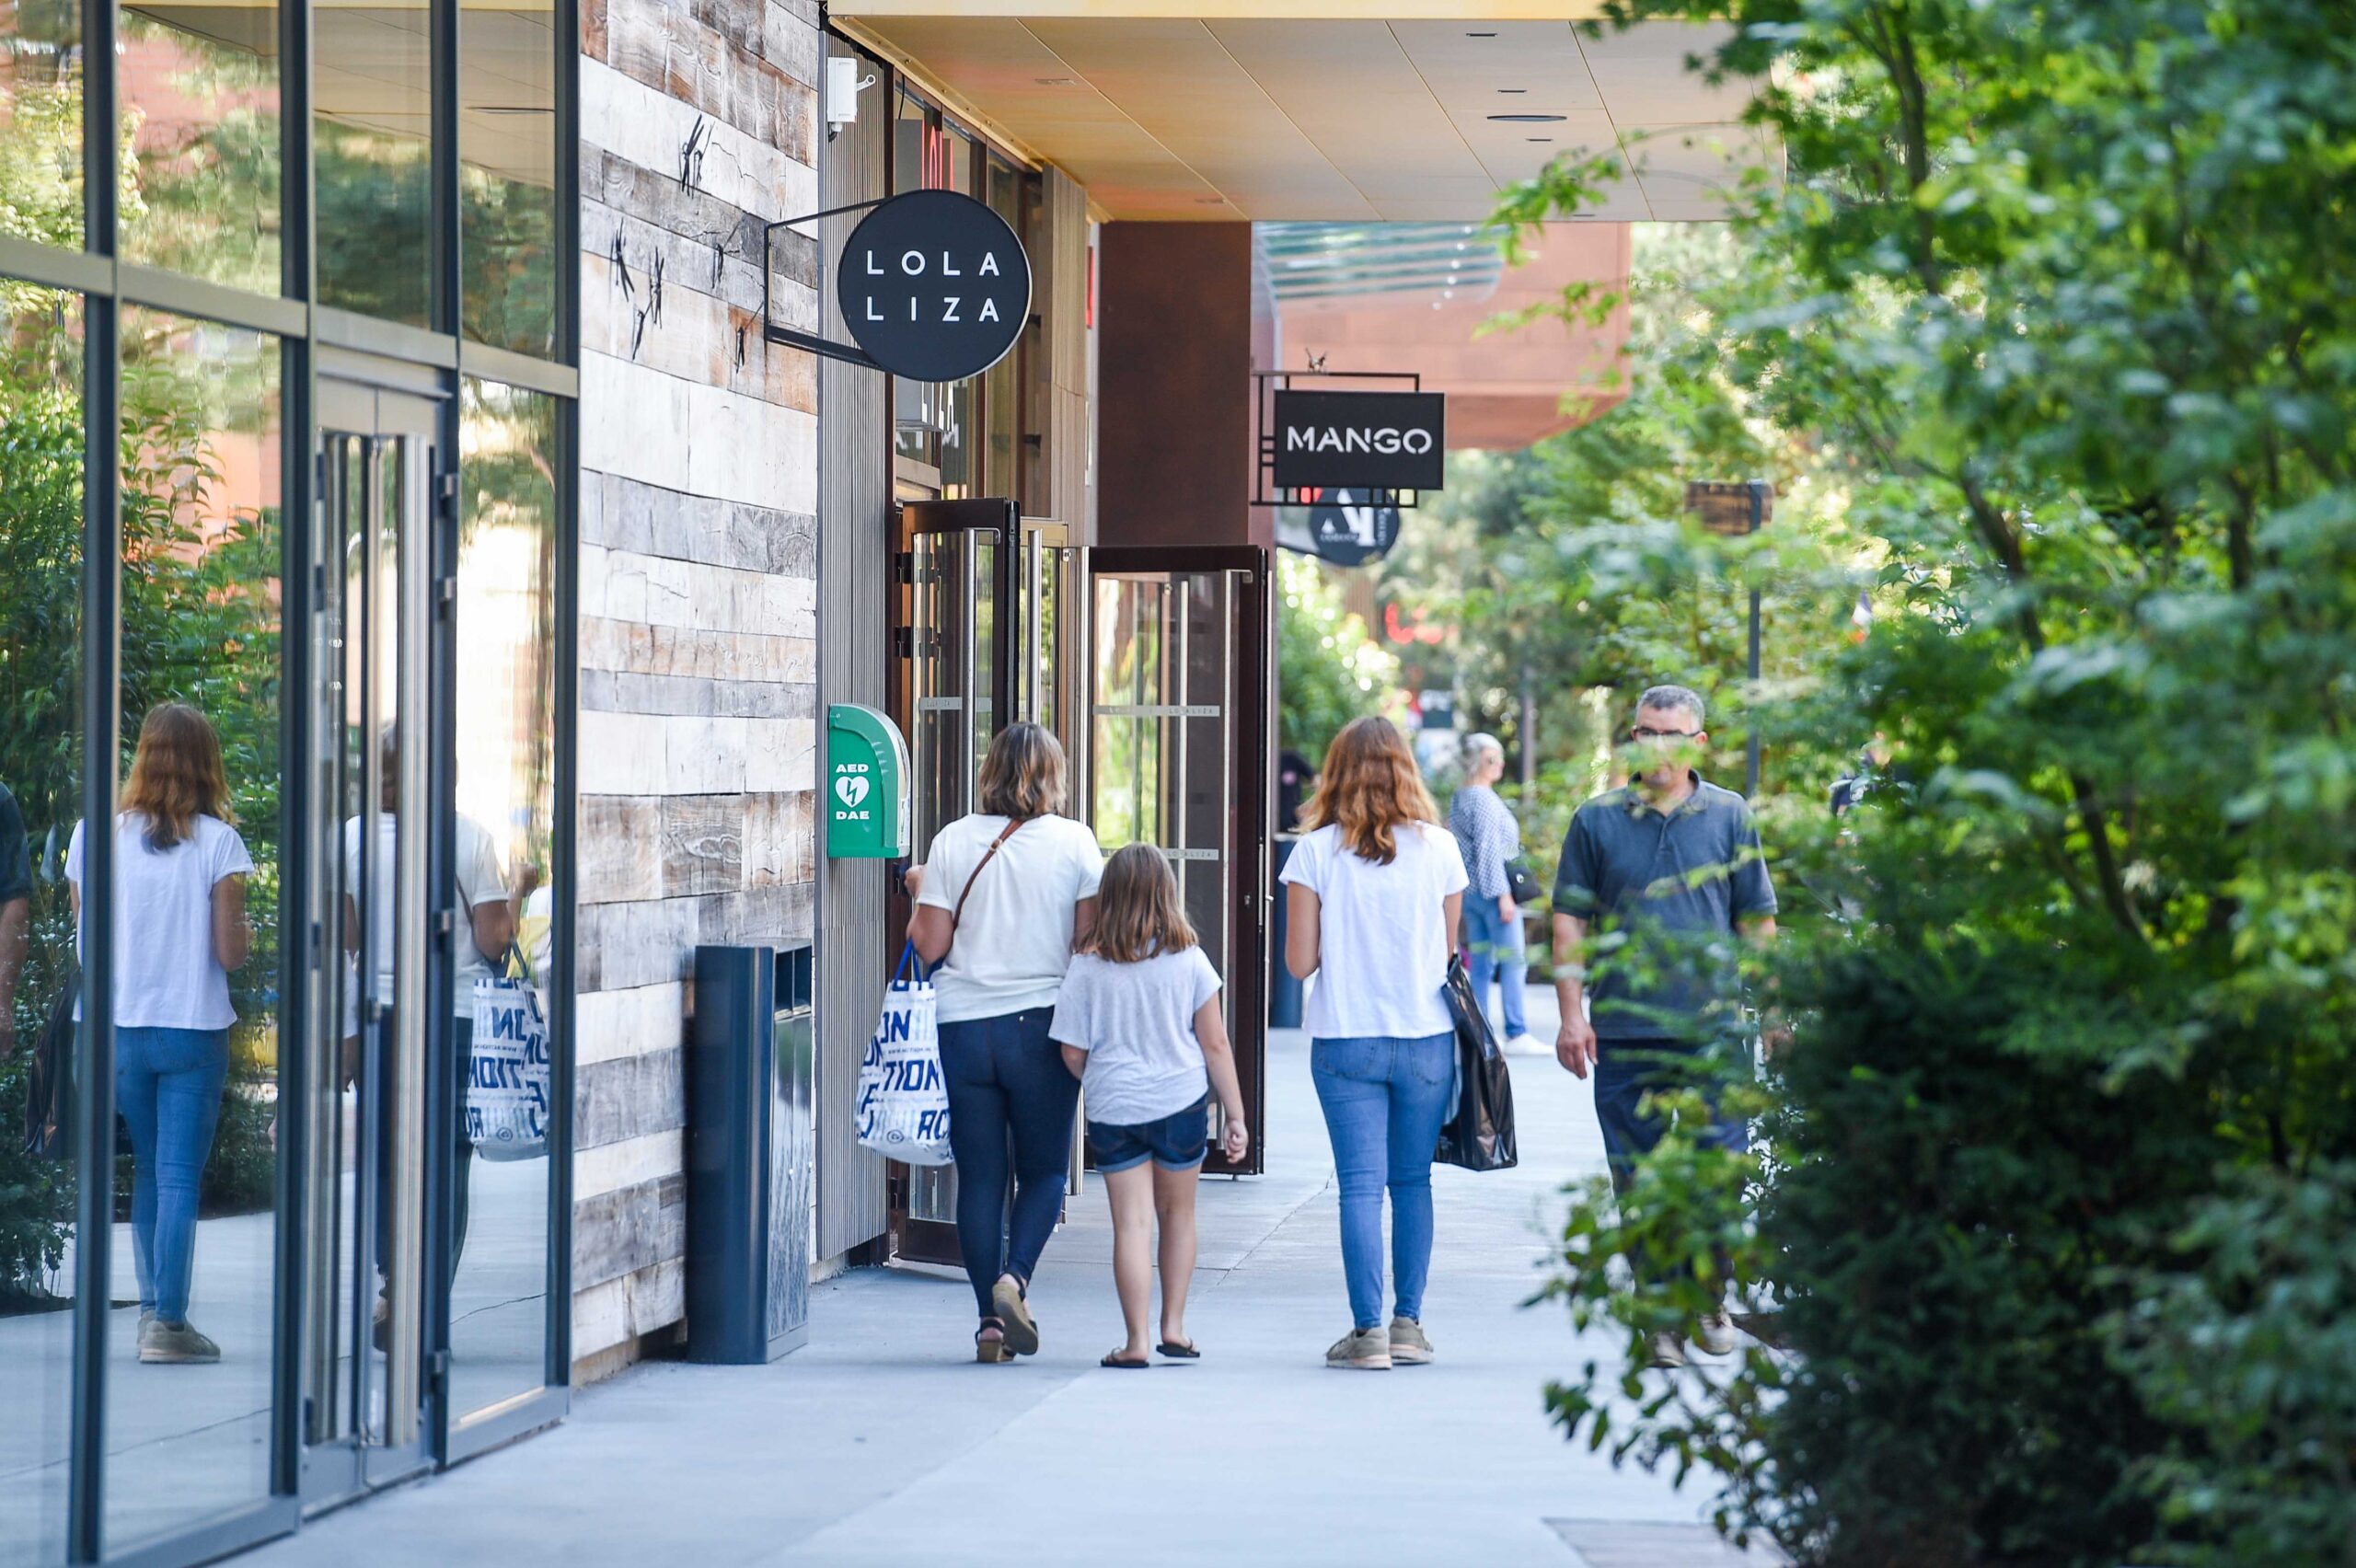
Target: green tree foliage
x=1330 y=668
x=2053 y=299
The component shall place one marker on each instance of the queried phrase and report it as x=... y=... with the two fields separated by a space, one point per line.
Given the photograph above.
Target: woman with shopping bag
x=1002 y=897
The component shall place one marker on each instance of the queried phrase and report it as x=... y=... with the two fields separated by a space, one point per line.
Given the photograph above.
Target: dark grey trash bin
x=750 y=1142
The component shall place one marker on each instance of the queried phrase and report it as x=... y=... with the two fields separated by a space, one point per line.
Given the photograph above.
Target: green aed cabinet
x=867 y=785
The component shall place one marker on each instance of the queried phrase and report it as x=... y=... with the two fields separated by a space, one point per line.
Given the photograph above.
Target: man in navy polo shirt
x=1673 y=864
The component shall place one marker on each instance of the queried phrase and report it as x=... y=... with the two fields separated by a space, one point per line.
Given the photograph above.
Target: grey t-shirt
x=1137 y=1023
x=1676 y=884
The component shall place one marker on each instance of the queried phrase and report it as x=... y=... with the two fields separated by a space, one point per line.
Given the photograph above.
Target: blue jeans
x=1007 y=1083
x=1494 y=945
x=168 y=1085
x=1627 y=1071
x=1384 y=1100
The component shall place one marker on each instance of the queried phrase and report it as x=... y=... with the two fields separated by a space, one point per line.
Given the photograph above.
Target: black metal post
x=1752 y=765
x=1751 y=771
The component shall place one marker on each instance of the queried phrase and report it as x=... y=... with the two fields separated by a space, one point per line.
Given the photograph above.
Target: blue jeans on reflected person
x=1007 y=1085
x=1384 y=1100
x=168 y=1085
x=1494 y=945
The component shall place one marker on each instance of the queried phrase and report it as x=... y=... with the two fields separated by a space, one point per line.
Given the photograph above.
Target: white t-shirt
x=165 y=976
x=1011 y=950
x=1382 y=933
x=1137 y=1023
x=480 y=882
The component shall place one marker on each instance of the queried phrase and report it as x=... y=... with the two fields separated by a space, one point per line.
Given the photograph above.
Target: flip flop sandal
x=1021 y=1328
x=992 y=1349
x=1113 y=1358
x=1178 y=1351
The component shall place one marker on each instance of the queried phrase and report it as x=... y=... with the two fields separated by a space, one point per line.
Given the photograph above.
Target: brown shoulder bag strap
x=957 y=914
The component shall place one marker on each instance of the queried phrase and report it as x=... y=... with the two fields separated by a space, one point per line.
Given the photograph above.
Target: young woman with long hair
x=1004 y=897
x=180 y=930
x=1140 y=1027
x=1376 y=885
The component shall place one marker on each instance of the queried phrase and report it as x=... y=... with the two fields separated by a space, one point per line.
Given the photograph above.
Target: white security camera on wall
x=844 y=84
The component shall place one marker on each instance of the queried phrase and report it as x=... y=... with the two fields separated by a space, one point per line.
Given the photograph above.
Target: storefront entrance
x=1153 y=667
x=365 y=1106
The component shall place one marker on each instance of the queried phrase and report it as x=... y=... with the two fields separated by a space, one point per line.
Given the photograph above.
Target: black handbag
x=1478 y=1133
x=48 y=1084
x=1521 y=881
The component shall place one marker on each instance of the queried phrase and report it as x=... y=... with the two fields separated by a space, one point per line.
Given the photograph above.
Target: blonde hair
x=177 y=775
x=1023 y=774
x=1369 y=786
x=1137 y=913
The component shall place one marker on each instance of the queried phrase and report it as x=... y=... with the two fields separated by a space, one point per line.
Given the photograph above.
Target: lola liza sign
x=1360 y=440
x=934 y=286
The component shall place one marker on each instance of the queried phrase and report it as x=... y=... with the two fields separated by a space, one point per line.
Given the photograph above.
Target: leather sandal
x=992 y=1349
x=1014 y=1311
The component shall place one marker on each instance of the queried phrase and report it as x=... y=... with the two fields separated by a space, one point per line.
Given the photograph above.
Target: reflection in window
x=41 y=781
x=200 y=528
x=40 y=119
x=373 y=104
x=200 y=113
x=506 y=777
x=507 y=156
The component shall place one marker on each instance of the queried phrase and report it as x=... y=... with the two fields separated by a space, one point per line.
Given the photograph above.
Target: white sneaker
x=1527 y=1045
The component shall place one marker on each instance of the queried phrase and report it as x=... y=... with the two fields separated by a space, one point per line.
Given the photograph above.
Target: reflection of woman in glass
x=179 y=928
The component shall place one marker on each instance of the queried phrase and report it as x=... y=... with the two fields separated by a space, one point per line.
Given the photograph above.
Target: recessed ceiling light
x=1479 y=35
x=1530 y=119
x=1513 y=89
x=1538 y=138
x=1056 y=81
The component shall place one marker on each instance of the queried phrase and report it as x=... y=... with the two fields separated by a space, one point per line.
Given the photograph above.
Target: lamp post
x=1734 y=511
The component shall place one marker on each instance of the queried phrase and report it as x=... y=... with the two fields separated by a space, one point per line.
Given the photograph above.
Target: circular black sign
x=934 y=285
x=1349 y=532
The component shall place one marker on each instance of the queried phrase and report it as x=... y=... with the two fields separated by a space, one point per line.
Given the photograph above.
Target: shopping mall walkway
x=883 y=1445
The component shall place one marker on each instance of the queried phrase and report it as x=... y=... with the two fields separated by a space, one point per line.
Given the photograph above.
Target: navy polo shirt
x=1676 y=884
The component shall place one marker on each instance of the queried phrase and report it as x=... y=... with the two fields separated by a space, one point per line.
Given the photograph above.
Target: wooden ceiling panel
x=1498 y=67
x=1169 y=111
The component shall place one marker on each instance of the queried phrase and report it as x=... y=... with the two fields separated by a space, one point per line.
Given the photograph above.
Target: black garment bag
x=1478 y=1133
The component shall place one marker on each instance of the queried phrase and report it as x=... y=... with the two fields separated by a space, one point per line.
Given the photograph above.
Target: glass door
x=1178 y=757
x=367 y=1109
x=958 y=688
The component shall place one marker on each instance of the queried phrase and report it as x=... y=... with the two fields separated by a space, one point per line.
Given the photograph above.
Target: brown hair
x=1369 y=786
x=177 y=776
x=1137 y=913
x=1023 y=774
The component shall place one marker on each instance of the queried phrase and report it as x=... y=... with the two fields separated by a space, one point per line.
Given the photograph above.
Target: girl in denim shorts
x=1138 y=1020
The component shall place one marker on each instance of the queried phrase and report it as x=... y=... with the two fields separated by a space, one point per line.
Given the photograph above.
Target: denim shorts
x=1176 y=1142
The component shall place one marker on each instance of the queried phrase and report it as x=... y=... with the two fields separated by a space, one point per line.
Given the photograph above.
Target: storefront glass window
x=373 y=97
x=506 y=801
x=196 y=997
x=507 y=173
x=200 y=117
x=41 y=119
x=41 y=782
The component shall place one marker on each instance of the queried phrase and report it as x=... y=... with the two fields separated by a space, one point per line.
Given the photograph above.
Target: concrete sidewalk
x=882 y=1444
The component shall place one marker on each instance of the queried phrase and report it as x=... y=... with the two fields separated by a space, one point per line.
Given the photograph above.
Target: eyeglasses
x=1646 y=732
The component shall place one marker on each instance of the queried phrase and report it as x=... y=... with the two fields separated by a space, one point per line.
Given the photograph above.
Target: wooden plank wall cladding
x=1062 y=281
x=854 y=583
x=699 y=590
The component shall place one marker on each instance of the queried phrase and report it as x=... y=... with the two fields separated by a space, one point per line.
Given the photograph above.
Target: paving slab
x=882 y=1444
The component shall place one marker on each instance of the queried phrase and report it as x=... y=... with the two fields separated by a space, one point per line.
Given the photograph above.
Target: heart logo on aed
x=851 y=788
